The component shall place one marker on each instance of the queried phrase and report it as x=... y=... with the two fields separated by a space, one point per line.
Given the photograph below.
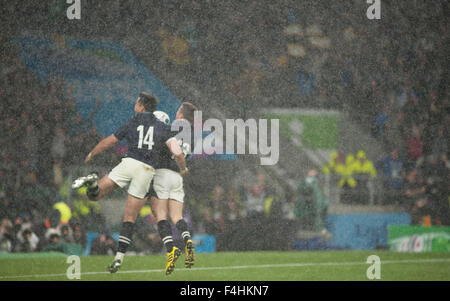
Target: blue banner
x=363 y=231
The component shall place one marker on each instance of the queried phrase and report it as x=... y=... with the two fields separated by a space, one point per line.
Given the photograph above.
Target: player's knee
x=162 y=217
x=129 y=217
x=175 y=218
x=159 y=211
x=159 y=215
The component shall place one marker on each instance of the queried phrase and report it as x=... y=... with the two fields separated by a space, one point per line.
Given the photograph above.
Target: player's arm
x=101 y=147
x=178 y=155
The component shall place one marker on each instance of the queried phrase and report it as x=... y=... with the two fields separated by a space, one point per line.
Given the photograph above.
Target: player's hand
x=88 y=158
x=184 y=172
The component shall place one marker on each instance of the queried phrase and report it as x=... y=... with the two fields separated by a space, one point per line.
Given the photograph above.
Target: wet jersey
x=146 y=138
x=166 y=159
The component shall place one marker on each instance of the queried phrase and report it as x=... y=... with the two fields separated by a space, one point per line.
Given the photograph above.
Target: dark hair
x=149 y=101
x=188 y=109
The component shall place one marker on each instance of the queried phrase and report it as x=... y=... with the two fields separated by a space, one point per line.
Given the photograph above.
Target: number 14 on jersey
x=147 y=139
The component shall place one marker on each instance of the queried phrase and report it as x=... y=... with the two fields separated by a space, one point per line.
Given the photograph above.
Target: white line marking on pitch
x=236 y=267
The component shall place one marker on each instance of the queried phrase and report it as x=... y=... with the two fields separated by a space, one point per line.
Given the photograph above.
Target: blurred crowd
x=241 y=217
x=42 y=136
x=255 y=215
x=419 y=185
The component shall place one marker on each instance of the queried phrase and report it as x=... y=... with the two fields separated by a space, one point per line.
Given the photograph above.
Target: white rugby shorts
x=134 y=173
x=168 y=184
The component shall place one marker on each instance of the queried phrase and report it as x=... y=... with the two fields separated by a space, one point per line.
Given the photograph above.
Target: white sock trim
x=119 y=256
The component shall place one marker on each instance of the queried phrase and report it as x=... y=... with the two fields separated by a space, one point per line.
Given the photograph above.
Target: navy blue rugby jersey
x=166 y=158
x=146 y=138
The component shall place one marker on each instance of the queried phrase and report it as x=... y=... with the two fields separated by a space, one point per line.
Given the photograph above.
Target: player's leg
x=104 y=187
x=176 y=216
x=140 y=176
x=120 y=176
x=95 y=189
x=159 y=209
x=132 y=208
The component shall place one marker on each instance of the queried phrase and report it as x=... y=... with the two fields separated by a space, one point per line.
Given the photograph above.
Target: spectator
x=395 y=128
x=66 y=234
x=336 y=165
x=6 y=208
x=234 y=206
x=413 y=109
x=79 y=236
x=6 y=236
x=422 y=211
x=259 y=198
x=415 y=145
x=381 y=120
x=311 y=205
x=436 y=175
x=255 y=195
x=347 y=182
x=414 y=189
x=329 y=167
x=347 y=179
x=52 y=226
x=364 y=174
x=104 y=244
x=364 y=166
x=334 y=173
x=40 y=229
x=213 y=213
x=306 y=81
x=28 y=241
x=53 y=243
x=288 y=223
x=392 y=169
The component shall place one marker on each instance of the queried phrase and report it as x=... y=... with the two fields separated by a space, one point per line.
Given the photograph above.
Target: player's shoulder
x=162 y=126
x=159 y=127
x=148 y=118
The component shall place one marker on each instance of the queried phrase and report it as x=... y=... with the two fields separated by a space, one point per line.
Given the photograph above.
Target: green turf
x=238 y=266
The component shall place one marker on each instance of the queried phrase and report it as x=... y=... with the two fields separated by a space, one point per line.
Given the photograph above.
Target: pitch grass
x=237 y=266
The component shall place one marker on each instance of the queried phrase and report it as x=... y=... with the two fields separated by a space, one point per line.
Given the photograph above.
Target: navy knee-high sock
x=126 y=234
x=165 y=232
x=183 y=228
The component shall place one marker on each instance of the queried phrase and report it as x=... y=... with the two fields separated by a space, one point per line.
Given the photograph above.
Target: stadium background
x=338 y=82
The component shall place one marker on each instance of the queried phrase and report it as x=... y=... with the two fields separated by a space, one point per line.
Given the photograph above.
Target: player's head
x=146 y=103
x=186 y=111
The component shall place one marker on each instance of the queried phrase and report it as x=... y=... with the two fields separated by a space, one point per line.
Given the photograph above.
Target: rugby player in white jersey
x=167 y=195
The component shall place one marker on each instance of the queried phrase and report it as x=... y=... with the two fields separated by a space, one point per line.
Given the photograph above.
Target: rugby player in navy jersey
x=167 y=195
x=147 y=138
